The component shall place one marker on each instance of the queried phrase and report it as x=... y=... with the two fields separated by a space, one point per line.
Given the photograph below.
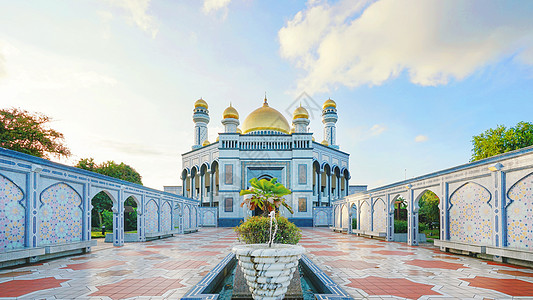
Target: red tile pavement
x=512 y=287
x=493 y=263
x=351 y=264
x=399 y=287
x=445 y=257
x=368 y=246
x=435 y=264
x=161 y=246
x=181 y=264
x=127 y=288
x=17 y=288
x=136 y=253
x=515 y=273
x=316 y=246
x=329 y=253
x=95 y=264
x=15 y=274
x=217 y=246
x=200 y=253
x=389 y=252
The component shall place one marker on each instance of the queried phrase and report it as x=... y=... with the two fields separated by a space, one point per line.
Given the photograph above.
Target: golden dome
x=329 y=103
x=265 y=118
x=205 y=143
x=292 y=130
x=200 y=103
x=325 y=143
x=300 y=112
x=230 y=112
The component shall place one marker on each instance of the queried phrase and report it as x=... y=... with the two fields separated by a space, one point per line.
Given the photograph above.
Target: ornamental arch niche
x=364 y=216
x=166 y=216
x=345 y=216
x=520 y=214
x=60 y=215
x=470 y=214
x=151 y=214
x=12 y=215
x=353 y=220
x=379 y=219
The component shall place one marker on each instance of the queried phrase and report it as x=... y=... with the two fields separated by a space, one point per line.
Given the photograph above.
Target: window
x=302 y=174
x=228 y=174
x=228 y=205
x=302 y=204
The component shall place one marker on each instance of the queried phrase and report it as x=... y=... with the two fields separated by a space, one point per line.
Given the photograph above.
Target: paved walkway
x=365 y=268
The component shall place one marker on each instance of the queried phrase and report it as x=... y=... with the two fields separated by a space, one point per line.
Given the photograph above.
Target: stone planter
x=268 y=271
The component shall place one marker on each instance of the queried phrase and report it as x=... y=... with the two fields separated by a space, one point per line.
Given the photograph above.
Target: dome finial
x=265 y=103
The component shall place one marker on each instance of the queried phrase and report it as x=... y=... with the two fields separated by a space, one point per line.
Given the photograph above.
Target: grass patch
x=97 y=234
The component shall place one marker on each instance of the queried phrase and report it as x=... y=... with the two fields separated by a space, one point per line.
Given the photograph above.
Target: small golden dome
x=200 y=103
x=292 y=130
x=239 y=131
x=265 y=118
x=218 y=138
x=300 y=112
x=230 y=112
x=313 y=138
x=325 y=143
x=205 y=143
x=329 y=103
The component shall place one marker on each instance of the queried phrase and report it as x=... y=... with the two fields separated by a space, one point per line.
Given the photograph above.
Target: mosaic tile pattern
x=60 y=215
x=380 y=216
x=470 y=213
x=176 y=219
x=12 y=215
x=364 y=217
x=194 y=213
x=166 y=217
x=152 y=217
x=186 y=217
x=520 y=214
x=321 y=218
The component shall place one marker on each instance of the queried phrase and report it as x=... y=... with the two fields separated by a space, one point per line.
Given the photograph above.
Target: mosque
x=265 y=146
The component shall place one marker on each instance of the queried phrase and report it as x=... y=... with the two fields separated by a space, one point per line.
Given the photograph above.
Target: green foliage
x=267 y=195
x=354 y=223
x=130 y=218
x=500 y=140
x=101 y=202
x=400 y=226
x=429 y=208
x=27 y=133
x=107 y=219
x=256 y=230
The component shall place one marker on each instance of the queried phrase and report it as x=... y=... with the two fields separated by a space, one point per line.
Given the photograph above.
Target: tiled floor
x=365 y=268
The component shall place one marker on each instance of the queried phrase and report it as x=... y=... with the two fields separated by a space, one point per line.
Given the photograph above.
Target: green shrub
x=256 y=231
x=400 y=226
x=422 y=227
x=354 y=223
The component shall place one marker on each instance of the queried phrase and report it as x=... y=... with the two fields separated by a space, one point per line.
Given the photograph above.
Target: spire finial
x=265 y=103
x=230 y=104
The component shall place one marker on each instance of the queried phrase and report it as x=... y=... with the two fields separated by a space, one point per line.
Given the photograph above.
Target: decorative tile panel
x=470 y=215
x=166 y=217
x=12 y=215
x=380 y=216
x=60 y=215
x=152 y=217
x=364 y=218
x=520 y=214
x=186 y=217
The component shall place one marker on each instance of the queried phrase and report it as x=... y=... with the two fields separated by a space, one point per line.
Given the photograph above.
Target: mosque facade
x=265 y=146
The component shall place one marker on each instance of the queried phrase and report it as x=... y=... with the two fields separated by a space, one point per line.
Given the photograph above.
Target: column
x=202 y=188
x=141 y=219
x=390 y=219
x=184 y=187
x=32 y=207
x=328 y=183
x=412 y=219
x=212 y=187
x=118 y=220
x=371 y=214
x=499 y=211
x=319 y=187
x=192 y=186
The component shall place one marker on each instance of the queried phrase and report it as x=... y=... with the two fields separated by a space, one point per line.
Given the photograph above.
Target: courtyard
x=363 y=267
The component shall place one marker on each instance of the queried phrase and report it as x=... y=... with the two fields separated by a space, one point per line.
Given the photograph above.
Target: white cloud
x=355 y=42
x=377 y=129
x=212 y=6
x=421 y=138
x=138 y=14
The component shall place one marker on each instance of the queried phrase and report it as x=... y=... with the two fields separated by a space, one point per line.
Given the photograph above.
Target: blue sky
x=413 y=80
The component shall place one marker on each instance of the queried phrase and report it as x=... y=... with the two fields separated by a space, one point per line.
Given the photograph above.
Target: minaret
x=230 y=119
x=201 y=119
x=300 y=120
x=329 y=118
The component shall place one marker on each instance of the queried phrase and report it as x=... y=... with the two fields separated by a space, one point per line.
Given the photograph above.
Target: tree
x=27 y=133
x=429 y=208
x=101 y=202
x=500 y=140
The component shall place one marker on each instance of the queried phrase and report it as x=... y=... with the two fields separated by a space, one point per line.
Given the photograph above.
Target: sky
x=413 y=80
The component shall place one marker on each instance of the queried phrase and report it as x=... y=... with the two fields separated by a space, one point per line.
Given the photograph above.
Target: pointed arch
x=519 y=214
x=151 y=216
x=166 y=216
x=379 y=218
x=60 y=215
x=345 y=216
x=364 y=216
x=12 y=215
x=470 y=214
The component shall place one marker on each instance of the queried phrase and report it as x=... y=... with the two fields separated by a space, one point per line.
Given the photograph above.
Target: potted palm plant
x=268 y=261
